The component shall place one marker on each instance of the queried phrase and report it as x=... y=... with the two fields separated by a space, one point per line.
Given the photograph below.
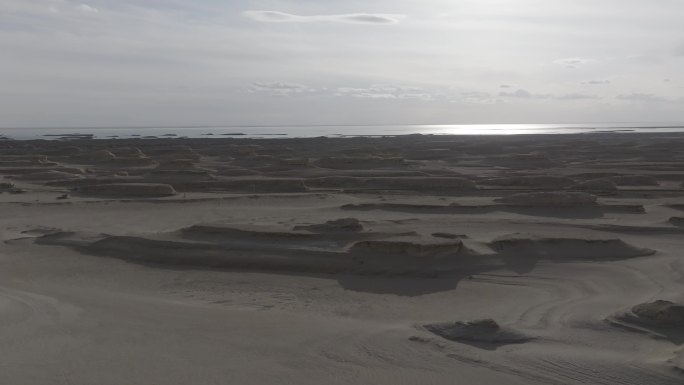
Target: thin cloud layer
x=639 y=97
x=524 y=94
x=353 y=18
x=597 y=82
x=572 y=62
x=385 y=92
x=280 y=89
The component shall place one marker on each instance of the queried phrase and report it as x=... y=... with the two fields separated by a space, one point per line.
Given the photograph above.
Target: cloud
x=280 y=88
x=645 y=59
x=519 y=94
x=573 y=62
x=477 y=97
x=505 y=86
x=524 y=94
x=353 y=18
x=641 y=97
x=576 y=96
x=597 y=82
x=385 y=92
x=87 y=8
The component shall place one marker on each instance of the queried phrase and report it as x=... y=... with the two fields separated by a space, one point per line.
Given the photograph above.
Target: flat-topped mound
x=342 y=225
x=362 y=162
x=177 y=164
x=212 y=230
x=48 y=175
x=566 y=248
x=409 y=246
x=551 y=199
x=530 y=181
x=485 y=331
x=432 y=184
x=245 y=185
x=142 y=190
x=598 y=185
x=634 y=180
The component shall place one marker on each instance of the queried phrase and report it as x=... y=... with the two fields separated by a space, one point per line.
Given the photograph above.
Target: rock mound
x=143 y=190
x=413 y=255
x=235 y=171
x=677 y=221
x=25 y=161
x=48 y=175
x=483 y=331
x=532 y=181
x=598 y=185
x=409 y=246
x=660 y=313
x=246 y=185
x=177 y=164
x=342 y=225
x=359 y=162
x=520 y=161
x=172 y=176
x=226 y=232
x=432 y=184
x=520 y=245
x=162 y=153
x=97 y=156
x=635 y=180
x=551 y=199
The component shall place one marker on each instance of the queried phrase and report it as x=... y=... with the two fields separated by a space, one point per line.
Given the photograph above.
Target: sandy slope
x=73 y=313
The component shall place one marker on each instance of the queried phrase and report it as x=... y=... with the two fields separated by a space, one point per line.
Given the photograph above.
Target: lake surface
x=336 y=131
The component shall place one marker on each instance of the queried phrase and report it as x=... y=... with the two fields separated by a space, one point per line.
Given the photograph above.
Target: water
x=337 y=131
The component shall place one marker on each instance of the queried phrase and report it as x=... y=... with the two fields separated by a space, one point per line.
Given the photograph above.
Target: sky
x=270 y=62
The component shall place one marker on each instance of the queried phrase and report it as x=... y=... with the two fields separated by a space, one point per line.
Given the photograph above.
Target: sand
x=417 y=259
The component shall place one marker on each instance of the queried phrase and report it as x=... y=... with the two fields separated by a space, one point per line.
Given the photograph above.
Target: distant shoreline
x=304 y=131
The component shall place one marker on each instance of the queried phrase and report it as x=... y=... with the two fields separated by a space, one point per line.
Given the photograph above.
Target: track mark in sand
x=370 y=348
x=601 y=373
x=551 y=370
x=510 y=369
x=568 y=296
x=561 y=293
x=30 y=309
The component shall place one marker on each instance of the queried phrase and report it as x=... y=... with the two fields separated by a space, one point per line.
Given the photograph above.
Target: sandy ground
x=215 y=262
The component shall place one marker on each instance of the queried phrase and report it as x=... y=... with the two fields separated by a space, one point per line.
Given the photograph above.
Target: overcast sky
x=208 y=62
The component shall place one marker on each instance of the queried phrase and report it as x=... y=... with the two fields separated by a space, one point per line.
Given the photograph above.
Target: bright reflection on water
x=336 y=131
x=518 y=129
